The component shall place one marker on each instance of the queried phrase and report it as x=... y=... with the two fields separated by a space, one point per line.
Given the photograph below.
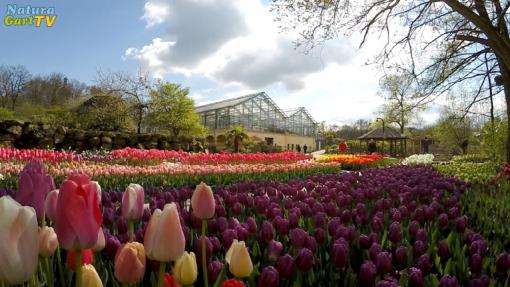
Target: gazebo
x=386 y=134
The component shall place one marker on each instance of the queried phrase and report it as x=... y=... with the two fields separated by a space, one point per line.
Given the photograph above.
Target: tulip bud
x=461 y=224
x=101 y=241
x=132 y=202
x=367 y=274
x=374 y=250
x=238 y=259
x=364 y=241
x=228 y=237
x=401 y=256
x=78 y=216
x=442 y=249
x=383 y=263
x=421 y=235
x=340 y=254
x=33 y=186
x=415 y=277
x=19 y=241
x=304 y=259
x=503 y=262
x=269 y=277
x=413 y=228
x=50 y=205
x=475 y=263
x=89 y=276
x=267 y=232
x=164 y=240
x=395 y=234
x=297 y=238
x=185 y=270
x=130 y=263
x=443 y=220
x=285 y=266
x=448 y=281
x=48 y=241
x=214 y=268
x=274 y=249
x=419 y=248
x=202 y=201
x=423 y=263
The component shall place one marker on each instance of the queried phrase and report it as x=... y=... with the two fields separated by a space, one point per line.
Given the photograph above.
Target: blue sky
x=217 y=48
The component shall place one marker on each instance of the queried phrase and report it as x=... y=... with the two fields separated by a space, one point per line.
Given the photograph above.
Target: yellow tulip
x=89 y=277
x=185 y=270
x=238 y=259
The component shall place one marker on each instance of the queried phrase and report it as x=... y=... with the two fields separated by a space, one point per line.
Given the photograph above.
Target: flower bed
x=353 y=162
x=419 y=159
x=396 y=226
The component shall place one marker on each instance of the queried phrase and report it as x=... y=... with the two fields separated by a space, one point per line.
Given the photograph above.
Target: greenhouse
x=261 y=117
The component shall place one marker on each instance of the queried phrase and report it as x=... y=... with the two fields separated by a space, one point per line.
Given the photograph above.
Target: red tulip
x=169 y=281
x=232 y=283
x=87 y=257
x=78 y=216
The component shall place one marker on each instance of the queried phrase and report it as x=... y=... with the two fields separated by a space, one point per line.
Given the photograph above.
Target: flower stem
x=78 y=268
x=131 y=230
x=60 y=269
x=161 y=274
x=49 y=272
x=204 y=254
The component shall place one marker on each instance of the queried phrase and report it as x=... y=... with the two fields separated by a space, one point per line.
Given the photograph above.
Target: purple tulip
x=461 y=224
x=274 y=249
x=388 y=282
x=333 y=225
x=311 y=243
x=423 y=263
x=340 y=254
x=282 y=225
x=478 y=247
x=319 y=235
x=297 y=238
x=108 y=216
x=252 y=225
x=483 y=281
x=442 y=249
x=214 y=269
x=401 y=256
x=448 y=281
x=413 y=228
x=421 y=235
x=383 y=262
x=222 y=224
x=475 y=263
x=122 y=225
x=209 y=247
x=395 y=234
x=374 y=250
x=33 y=186
x=242 y=233
x=367 y=274
x=443 y=220
x=415 y=277
x=364 y=241
x=294 y=220
x=419 y=248
x=269 y=277
x=216 y=243
x=285 y=266
x=346 y=216
x=266 y=232
x=377 y=224
x=304 y=259
x=503 y=262
x=228 y=237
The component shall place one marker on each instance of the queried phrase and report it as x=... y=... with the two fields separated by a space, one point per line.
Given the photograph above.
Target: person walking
x=372 y=147
x=305 y=148
x=298 y=148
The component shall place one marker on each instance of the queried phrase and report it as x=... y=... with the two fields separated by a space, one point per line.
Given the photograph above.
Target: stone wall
x=37 y=135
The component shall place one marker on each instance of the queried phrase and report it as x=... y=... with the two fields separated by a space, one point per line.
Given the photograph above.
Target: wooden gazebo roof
x=378 y=134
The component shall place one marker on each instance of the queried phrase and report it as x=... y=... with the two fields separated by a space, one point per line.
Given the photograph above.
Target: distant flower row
x=142 y=155
x=363 y=159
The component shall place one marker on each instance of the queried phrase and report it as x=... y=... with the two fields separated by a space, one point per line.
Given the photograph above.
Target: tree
x=53 y=90
x=134 y=89
x=402 y=99
x=173 y=110
x=455 y=35
x=12 y=82
x=105 y=113
x=236 y=135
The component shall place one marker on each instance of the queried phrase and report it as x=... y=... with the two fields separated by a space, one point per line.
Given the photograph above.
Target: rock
x=106 y=140
x=94 y=142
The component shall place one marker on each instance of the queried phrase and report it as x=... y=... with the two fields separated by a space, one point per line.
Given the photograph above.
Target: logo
x=29 y=16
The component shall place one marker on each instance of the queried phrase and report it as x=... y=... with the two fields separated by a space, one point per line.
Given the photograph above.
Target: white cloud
x=236 y=45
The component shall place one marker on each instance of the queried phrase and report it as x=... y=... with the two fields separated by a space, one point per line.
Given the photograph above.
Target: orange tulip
x=130 y=263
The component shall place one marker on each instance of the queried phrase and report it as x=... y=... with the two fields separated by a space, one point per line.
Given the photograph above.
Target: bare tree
x=133 y=88
x=12 y=82
x=403 y=100
x=455 y=35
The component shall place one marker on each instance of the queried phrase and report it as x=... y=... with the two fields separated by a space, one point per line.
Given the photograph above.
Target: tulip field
x=165 y=218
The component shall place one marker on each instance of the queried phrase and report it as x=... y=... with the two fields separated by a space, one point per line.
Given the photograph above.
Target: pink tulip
x=50 y=205
x=202 y=201
x=48 y=241
x=164 y=240
x=130 y=263
x=132 y=202
x=19 y=241
x=101 y=241
x=78 y=216
x=33 y=186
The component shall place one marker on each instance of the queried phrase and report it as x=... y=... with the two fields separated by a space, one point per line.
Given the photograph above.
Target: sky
x=217 y=48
